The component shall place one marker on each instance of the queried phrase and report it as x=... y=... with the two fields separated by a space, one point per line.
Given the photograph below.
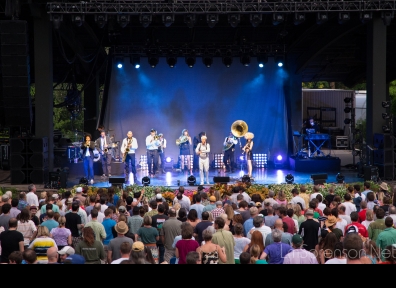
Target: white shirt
x=313 y=196
x=100 y=218
x=298 y=199
x=336 y=261
x=83 y=214
x=103 y=207
x=272 y=201
x=204 y=149
x=152 y=144
x=349 y=208
x=119 y=260
x=264 y=230
x=341 y=225
x=32 y=199
x=363 y=196
x=125 y=144
x=321 y=206
x=163 y=144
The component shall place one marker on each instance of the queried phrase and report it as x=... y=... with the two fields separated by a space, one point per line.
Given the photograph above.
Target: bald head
x=52 y=254
x=278 y=224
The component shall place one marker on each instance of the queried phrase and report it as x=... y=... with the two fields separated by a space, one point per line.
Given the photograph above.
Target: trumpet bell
x=239 y=128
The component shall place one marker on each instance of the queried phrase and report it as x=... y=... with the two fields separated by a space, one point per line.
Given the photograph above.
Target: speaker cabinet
x=219 y=179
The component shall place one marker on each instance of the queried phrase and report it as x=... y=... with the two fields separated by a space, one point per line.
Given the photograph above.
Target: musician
x=128 y=149
x=161 y=151
x=88 y=156
x=203 y=150
x=247 y=150
x=103 y=144
x=152 y=144
x=99 y=131
x=185 y=149
x=197 y=140
x=229 y=148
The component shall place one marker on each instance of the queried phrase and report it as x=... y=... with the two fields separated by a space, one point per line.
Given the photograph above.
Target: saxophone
x=127 y=149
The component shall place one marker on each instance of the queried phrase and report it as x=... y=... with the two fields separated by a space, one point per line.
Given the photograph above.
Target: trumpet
x=244 y=148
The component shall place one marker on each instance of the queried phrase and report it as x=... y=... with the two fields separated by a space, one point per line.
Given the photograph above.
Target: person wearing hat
x=299 y=255
x=78 y=195
x=310 y=229
x=4 y=200
x=212 y=205
x=331 y=223
x=203 y=150
x=65 y=252
x=152 y=144
x=114 y=247
x=218 y=210
x=74 y=259
x=128 y=148
x=247 y=149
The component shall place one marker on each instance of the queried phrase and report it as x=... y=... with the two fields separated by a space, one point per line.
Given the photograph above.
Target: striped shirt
x=41 y=245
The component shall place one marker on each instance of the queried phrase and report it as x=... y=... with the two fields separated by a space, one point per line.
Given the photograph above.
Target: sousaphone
x=239 y=128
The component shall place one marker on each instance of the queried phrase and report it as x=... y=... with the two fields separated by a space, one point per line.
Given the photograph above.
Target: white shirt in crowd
x=264 y=230
x=100 y=218
x=349 y=208
x=103 y=207
x=336 y=261
x=341 y=225
x=313 y=196
x=119 y=260
x=321 y=206
x=298 y=199
x=32 y=199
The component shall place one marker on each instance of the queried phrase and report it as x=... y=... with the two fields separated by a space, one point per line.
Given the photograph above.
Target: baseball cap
x=121 y=208
x=74 y=259
x=251 y=203
x=297 y=239
x=352 y=229
x=66 y=250
x=138 y=246
x=159 y=196
x=212 y=198
x=79 y=190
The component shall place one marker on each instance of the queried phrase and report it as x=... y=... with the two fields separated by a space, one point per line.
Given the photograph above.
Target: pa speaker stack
x=29 y=160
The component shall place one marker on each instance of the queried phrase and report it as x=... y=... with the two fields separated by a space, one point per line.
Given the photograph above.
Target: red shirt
x=290 y=224
x=362 y=215
x=319 y=211
x=361 y=229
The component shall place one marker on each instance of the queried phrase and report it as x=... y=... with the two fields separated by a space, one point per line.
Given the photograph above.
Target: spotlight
x=168 y=163
x=279 y=60
x=190 y=20
x=190 y=60
x=347 y=109
x=119 y=61
x=101 y=20
x=386 y=129
x=245 y=60
x=207 y=60
x=123 y=20
x=145 y=20
x=153 y=61
x=386 y=116
x=245 y=179
x=212 y=20
x=343 y=17
x=78 y=20
x=387 y=17
x=168 y=159
x=299 y=18
x=83 y=181
x=277 y=18
x=386 y=104
x=321 y=18
x=366 y=16
x=279 y=161
x=146 y=181
x=227 y=59
x=234 y=19
x=135 y=61
x=347 y=121
x=289 y=179
x=262 y=60
x=56 y=20
x=340 y=178
x=279 y=157
x=171 y=60
x=191 y=180
x=168 y=20
x=256 y=19
x=347 y=100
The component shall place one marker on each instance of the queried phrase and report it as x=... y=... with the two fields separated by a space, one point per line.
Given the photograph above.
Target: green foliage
x=15 y=192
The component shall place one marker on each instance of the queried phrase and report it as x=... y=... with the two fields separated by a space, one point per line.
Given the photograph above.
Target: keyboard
x=317 y=136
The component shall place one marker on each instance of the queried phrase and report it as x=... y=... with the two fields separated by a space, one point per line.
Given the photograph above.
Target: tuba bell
x=239 y=128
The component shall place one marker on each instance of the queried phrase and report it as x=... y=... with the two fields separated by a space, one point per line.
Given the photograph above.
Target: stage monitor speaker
x=220 y=179
x=319 y=178
x=371 y=173
x=117 y=179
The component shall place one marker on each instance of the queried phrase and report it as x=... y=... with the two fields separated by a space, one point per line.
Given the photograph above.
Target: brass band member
x=161 y=151
x=103 y=144
x=152 y=144
x=128 y=149
x=203 y=150
x=196 y=141
x=185 y=143
x=87 y=148
x=229 y=148
x=247 y=150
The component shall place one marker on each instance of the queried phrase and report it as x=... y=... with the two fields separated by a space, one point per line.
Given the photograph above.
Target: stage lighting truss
x=260 y=160
x=218 y=161
x=143 y=163
x=245 y=59
x=185 y=161
x=101 y=20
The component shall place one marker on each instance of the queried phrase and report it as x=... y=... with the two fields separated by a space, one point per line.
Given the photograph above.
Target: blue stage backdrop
x=199 y=99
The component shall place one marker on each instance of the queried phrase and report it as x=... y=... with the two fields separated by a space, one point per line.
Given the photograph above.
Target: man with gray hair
x=276 y=252
x=270 y=199
x=286 y=237
x=258 y=223
x=249 y=222
x=31 y=197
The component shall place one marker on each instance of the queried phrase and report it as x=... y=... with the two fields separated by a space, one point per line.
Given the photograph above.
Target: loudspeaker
x=319 y=178
x=117 y=179
x=386 y=171
x=39 y=176
x=5 y=157
x=383 y=156
x=370 y=173
x=382 y=141
x=219 y=179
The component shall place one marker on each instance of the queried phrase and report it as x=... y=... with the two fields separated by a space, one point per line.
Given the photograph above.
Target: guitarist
x=229 y=148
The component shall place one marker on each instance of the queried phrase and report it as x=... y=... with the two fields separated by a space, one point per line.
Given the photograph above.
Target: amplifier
x=342 y=142
x=5 y=157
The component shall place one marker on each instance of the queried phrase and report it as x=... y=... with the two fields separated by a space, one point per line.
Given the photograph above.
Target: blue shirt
x=22 y=204
x=50 y=224
x=108 y=224
x=199 y=208
x=276 y=252
x=115 y=200
x=247 y=226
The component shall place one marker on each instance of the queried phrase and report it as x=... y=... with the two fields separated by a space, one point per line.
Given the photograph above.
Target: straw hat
x=121 y=227
x=331 y=220
x=384 y=186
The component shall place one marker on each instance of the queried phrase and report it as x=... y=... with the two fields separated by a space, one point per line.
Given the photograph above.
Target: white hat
x=66 y=250
x=159 y=196
x=204 y=137
x=79 y=190
x=55 y=196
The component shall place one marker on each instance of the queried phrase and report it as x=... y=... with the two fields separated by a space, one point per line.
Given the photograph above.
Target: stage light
x=145 y=20
x=227 y=59
x=387 y=17
x=279 y=161
x=190 y=60
x=135 y=61
x=234 y=19
x=119 y=61
x=146 y=181
x=279 y=60
x=168 y=159
x=190 y=20
x=83 y=181
x=386 y=116
x=386 y=104
x=321 y=18
x=366 y=16
x=245 y=59
x=347 y=121
x=347 y=109
x=343 y=17
x=245 y=179
x=256 y=19
x=101 y=20
x=299 y=18
x=78 y=20
x=168 y=20
x=153 y=61
x=277 y=18
x=340 y=178
x=56 y=20
x=207 y=60
x=212 y=20
x=123 y=20
x=386 y=129
x=191 y=180
x=289 y=178
x=171 y=60
x=279 y=157
x=262 y=60
x=347 y=100
x=241 y=158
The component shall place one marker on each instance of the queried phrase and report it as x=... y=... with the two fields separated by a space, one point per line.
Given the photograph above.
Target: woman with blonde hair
x=230 y=216
x=92 y=250
x=43 y=196
x=61 y=234
x=217 y=195
x=177 y=207
x=247 y=149
x=281 y=198
x=255 y=252
x=297 y=214
x=42 y=243
x=369 y=218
